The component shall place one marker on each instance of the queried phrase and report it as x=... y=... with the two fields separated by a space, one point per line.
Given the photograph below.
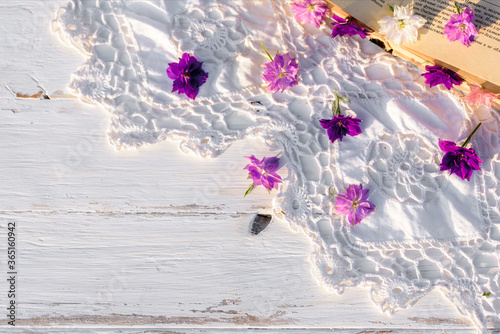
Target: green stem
x=265 y=50
x=249 y=190
x=330 y=192
x=336 y=104
x=391 y=8
x=470 y=136
x=458 y=8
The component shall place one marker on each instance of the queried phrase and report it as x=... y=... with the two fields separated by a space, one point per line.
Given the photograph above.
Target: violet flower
x=281 y=72
x=460 y=27
x=188 y=75
x=348 y=27
x=310 y=11
x=436 y=75
x=263 y=172
x=354 y=204
x=340 y=125
x=460 y=160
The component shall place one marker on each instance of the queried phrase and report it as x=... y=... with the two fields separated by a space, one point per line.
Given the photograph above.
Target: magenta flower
x=458 y=159
x=263 y=172
x=348 y=27
x=281 y=72
x=340 y=126
x=460 y=27
x=436 y=75
x=354 y=204
x=480 y=96
x=310 y=11
x=188 y=75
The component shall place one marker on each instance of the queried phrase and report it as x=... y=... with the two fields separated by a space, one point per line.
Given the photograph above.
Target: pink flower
x=310 y=11
x=460 y=27
x=479 y=96
x=263 y=172
x=281 y=72
x=354 y=204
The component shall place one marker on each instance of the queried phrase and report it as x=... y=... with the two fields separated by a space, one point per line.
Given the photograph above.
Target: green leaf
x=390 y=8
x=249 y=190
x=486 y=294
x=265 y=50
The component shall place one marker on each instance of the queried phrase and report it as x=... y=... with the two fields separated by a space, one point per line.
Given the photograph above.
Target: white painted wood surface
x=149 y=240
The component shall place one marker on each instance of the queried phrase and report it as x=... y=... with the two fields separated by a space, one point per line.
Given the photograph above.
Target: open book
x=478 y=63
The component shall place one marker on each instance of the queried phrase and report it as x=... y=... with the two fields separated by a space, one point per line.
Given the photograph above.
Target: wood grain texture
x=148 y=241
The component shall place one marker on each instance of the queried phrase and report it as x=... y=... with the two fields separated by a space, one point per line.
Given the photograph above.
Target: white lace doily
x=430 y=230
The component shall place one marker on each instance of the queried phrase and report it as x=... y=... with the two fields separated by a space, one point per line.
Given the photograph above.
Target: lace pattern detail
x=125 y=73
x=405 y=168
x=214 y=34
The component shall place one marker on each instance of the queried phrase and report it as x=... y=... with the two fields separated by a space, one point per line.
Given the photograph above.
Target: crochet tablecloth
x=430 y=230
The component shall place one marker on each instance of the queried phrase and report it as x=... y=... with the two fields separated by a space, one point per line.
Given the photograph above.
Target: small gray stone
x=259 y=223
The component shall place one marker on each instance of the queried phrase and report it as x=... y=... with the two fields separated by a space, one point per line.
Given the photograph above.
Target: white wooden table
x=152 y=240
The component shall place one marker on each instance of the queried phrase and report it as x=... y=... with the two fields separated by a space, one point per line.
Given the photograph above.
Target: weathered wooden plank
x=160 y=330
x=121 y=269
x=30 y=50
x=152 y=238
x=56 y=157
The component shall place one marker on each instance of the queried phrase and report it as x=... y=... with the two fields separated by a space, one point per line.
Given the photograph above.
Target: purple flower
x=310 y=11
x=459 y=160
x=188 y=75
x=436 y=75
x=281 y=73
x=460 y=27
x=262 y=172
x=354 y=204
x=349 y=27
x=340 y=126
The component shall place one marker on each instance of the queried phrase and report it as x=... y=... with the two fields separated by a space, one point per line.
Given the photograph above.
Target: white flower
x=402 y=27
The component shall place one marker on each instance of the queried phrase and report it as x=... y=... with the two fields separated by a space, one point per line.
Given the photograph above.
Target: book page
x=367 y=11
x=478 y=59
